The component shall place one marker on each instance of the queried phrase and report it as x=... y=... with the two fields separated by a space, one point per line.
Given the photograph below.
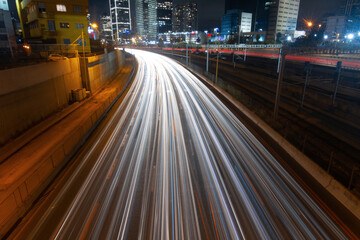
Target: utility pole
x=245 y=53
x=234 y=58
x=207 y=58
x=279 y=84
x=338 y=75
x=187 y=55
x=217 y=64
x=279 y=61
x=307 y=70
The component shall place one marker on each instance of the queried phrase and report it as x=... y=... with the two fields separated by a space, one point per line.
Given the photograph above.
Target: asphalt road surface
x=177 y=164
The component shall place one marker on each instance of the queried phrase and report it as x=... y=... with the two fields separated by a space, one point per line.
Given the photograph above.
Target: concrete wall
x=30 y=94
x=102 y=68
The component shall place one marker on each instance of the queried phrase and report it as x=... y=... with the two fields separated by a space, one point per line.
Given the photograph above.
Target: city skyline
x=211 y=11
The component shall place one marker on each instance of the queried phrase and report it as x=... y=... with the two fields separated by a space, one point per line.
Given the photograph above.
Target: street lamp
x=310 y=24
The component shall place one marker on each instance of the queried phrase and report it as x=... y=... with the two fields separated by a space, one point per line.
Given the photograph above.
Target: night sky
x=210 y=11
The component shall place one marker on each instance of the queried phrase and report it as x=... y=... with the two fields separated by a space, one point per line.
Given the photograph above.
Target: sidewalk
x=29 y=162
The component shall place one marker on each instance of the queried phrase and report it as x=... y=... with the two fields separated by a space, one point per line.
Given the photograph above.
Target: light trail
x=180 y=165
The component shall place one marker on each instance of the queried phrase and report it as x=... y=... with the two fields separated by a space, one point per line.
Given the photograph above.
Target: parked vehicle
x=56 y=57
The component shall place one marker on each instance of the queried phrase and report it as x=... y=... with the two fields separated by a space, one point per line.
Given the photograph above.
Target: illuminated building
x=54 y=22
x=164 y=15
x=121 y=19
x=283 y=16
x=146 y=19
x=7 y=35
x=185 y=18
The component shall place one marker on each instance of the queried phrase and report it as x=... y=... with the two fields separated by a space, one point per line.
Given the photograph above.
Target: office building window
x=60 y=7
x=51 y=25
x=41 y=7
x=64 y=25
x=79 y=25
x=77 y=9
x=3 y=38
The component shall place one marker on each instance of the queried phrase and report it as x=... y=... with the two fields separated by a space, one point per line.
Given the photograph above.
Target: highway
x=173 y=162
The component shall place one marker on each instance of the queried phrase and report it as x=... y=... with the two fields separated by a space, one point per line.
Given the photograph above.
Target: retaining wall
x=30 y=94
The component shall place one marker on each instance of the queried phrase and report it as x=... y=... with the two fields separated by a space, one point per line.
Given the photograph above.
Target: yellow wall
x=72 y=33
x=41 y=18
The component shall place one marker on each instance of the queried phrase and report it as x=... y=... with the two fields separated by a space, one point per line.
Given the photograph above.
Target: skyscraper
x=4 y=5
x=352 y=8
x=235 y=20
x=106 y=28
x=164 y=15
x=245 y=6
x=262 y=14
x=7 y=35
x=121 y=19
x=283 y=17
x=146 y=18
x=185 y=18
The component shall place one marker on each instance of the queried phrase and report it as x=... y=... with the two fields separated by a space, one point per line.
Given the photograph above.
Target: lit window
x=60 y=8
x=64 y=25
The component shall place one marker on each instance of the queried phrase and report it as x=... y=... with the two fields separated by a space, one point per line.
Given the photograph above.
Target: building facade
x=121 y=19
x=50 y=22
x=185 y=18
x=146 y=19
x=336 y=25
x=262 y=14
x=235 y=21
x=352 y=8
x=106 y=28
x=4 y=5
x=7 y=34
x=164 y=15
x=283 y=16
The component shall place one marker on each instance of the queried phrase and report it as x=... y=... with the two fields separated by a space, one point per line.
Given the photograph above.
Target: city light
x=289 y=38
x=310 y=24
x=26 y=46
x=350 y=36
x=94 y=25
x=359 y=34
x=326 y=37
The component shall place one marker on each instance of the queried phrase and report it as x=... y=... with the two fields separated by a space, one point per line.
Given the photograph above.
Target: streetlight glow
x=94 y=25
x=309 y=24
x=350 y=36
